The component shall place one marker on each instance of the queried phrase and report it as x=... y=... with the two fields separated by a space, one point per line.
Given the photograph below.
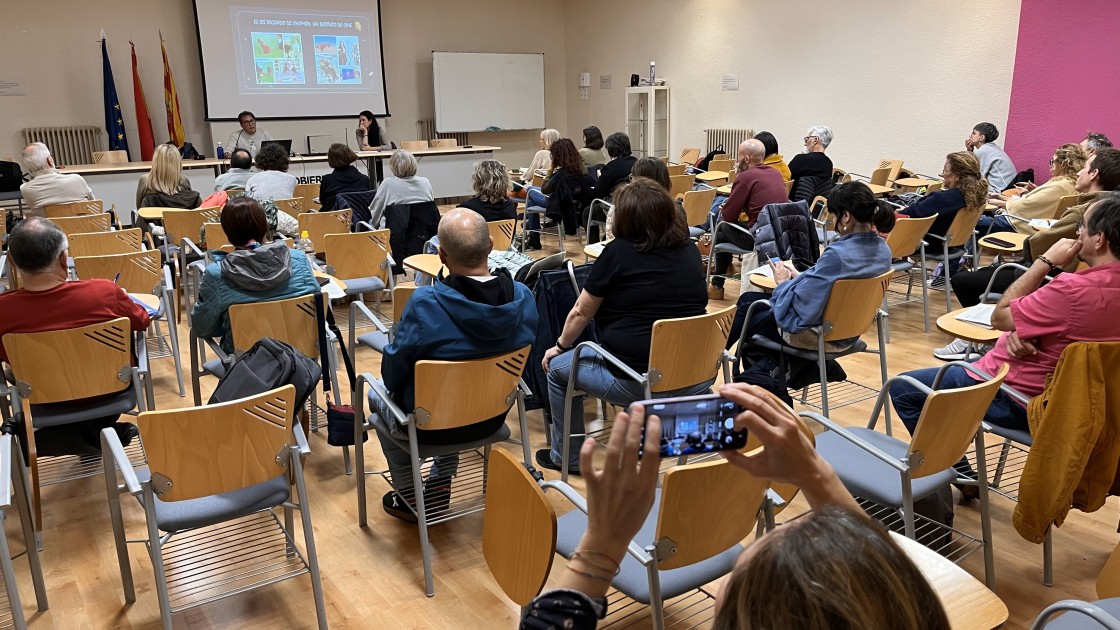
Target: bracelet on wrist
x=609 y=566
x=561 y=346
x=1048 y=262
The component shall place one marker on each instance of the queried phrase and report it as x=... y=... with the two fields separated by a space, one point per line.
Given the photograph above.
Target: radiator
x=74 y=144
x=426 y=130
x=729 y=138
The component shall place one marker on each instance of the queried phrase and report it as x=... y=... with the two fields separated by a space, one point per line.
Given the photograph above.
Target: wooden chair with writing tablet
x=83 y=224
x=74 y=208
x=501 y=232
x=182 y=234
x=106 y=243
x=680 y=184
x=308 y=193
x=319 y=224
x=905 y=240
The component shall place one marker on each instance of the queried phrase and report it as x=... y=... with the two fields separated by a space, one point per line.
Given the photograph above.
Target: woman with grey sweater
x=405 y=186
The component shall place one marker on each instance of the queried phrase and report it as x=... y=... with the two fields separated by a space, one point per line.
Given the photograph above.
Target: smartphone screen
x=774 y=260
x=696 y=424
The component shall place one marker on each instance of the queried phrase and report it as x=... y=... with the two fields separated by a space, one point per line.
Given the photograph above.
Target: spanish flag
x=143 y=119
x=171 y=101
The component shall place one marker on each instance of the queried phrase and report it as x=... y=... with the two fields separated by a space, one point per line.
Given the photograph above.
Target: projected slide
x=302 y=51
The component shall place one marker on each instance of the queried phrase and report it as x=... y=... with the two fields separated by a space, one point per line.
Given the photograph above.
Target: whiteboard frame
x=436 y=90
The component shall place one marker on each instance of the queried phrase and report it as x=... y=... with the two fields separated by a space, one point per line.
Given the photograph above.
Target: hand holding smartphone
x=696 y=424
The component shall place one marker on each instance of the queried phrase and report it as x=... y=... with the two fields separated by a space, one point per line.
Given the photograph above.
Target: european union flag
x=114 y=118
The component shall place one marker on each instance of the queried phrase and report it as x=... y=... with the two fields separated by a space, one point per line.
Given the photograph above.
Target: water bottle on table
x=221 y=152
x=308 y=248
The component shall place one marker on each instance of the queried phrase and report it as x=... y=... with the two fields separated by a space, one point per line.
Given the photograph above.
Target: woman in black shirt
x=650 y=271
x=345 y=178
x=491 y=184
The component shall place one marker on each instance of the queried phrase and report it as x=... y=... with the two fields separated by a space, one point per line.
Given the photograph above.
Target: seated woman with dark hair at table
x=799 y=300
x=344 y=178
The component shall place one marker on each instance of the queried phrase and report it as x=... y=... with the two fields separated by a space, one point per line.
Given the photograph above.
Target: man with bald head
x=755 y=185
x=467 y=313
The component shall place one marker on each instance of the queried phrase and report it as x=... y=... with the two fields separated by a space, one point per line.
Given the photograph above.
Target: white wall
x=63 y=76
x=905 y=80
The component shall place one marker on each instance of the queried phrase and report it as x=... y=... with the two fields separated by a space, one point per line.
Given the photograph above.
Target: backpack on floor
x=269 y=364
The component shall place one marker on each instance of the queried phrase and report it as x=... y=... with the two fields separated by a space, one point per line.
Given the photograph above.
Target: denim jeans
x=908 y=400
x=534 y=199
x=762 y=323
x=399 y=459
x=596 y=379
x=713 y=213
x=990 y=225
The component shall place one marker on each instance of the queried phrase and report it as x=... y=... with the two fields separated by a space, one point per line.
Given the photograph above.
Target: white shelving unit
x=647 y=120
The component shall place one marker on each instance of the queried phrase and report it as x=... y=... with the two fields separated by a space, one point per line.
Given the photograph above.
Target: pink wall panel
x=1066 y=81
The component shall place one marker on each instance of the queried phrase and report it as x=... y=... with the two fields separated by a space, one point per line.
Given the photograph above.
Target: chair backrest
x=444 y=143
x=213 y=449
x=680 y=184
x=960 y=230
x=934 y=187
x=502 y=232
x=402 y=293
x=70 y=364
x=852 y=305
x=689 y=155
x=180 y=224
x=893 y=166
x=840 y=176
x=676 y=169
x=720 y=165
x=1065 y=203
x=687 y=350
x=789 y=186
x=518 y=529
x=292 y=321
x=308 y=193
x=414 y=145
x=452 y=394
x=721 y=156
x=904 y=173
x=105 y=243
x=319 y=224
x=83 y=224
x=291 y=205
x=538 y=180
x=880 y=176
x=907 y=235
x=74 y=208
x=698 y=204
x=697 y=516
x=216 y=238
x=135 y=272
x=359 y=255
x=955 y=416
x=819 y=211
x=110 y=157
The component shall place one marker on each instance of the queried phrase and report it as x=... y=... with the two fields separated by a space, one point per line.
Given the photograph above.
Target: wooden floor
x=372 y=577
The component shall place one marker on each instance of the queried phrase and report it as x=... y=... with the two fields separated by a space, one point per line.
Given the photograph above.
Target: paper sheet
x=981 y=315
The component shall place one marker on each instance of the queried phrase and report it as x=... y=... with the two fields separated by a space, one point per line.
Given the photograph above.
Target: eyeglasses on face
x=807 y=138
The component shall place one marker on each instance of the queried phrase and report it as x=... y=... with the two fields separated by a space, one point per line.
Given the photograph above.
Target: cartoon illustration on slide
x=270 y=45
x=343 y=58
x=292 y=71
x=327 y=72
x=325 y=45
x=265 y=74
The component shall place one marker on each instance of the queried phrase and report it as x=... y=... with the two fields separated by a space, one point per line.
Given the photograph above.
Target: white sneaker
x=956 y=351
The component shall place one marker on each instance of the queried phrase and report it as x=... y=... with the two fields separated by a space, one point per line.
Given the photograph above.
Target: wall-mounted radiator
x=426 y=130
x=73 y=144
x=729 y=138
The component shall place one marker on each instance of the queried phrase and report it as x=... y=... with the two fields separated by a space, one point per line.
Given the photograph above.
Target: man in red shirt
x=47 y=301
x=756 y=185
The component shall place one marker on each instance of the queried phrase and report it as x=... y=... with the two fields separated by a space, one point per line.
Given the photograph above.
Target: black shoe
x=533 y=244
x=968 y=493
x=437 y=495
x=395 y=505
x=126 y=432
x=544 y=460
x=548 y=223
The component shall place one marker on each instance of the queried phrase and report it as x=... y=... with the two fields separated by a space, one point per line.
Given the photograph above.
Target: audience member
x=47 y=301
x=249 y=136
x=466 y=314
x=542 y=161
x=48 y=186
x=773 y=157
x=592 y=152
x=256 y=271
x=833 y=568
x=617 y=170
x=1094 y=141
x=565 y=192
x=1041 y=202
x=240 y=170
x=964 y=189
x=812 y=170
x=271 y=182
x=650 y=271
x=1040 y=320
x=369 y=135
x=1100 y=175
x=995 y=165
x=165 y=186
x=405 y=186
x=344 y=178
x=650 y=168
x=756 y=185
x=491 y=183
x=799 y=300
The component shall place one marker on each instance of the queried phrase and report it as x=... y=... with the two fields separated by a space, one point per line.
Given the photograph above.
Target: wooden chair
x=308 y=193
x=444 y=143
x=106 y=243
x=721 y=165
x=676 y=169
x=110 y=157
x=142 y=275
x=83 y=224
x=697 y=208
x=414 y=145
x=1102 y=613
x=383 y=336
x=853 y=305
x=449 y=394
x=683 y=351
x=74 y=208
x=538 y=180
x=1065 y=203
x=216 y=240
x=906 y=239
x=894 y=166
x=13 y=486
x=55 y=368
x=880 y=176
x=789 y=186
x=680 y=184
x=865 y=459
x=361 y=260
x=217 y=474
x=502 y=232
x=960 y=232
x=292 y=205
x=818 y=209
x=319 y=224
x=689 y=155
x=840 y=176
x=182 y=233
x=721 y=156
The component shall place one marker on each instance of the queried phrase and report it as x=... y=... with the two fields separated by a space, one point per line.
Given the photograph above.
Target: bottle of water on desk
x=308 y=248
x=221 y=152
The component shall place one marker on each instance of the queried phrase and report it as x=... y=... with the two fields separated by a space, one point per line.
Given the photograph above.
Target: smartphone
x=696 y=424
x=1000 y=242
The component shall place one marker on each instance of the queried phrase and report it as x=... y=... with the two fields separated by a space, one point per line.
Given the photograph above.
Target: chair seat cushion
x=1074 y=620
x=695 y=232
x=728 y=248
x=176 y=516
x=432 y=450
x=808 y=355
x=376 y=340
x=866 y=476
x=55 y=414
x=364 y=285
x=633 y=578
x=1021 y=437
x=902 y=265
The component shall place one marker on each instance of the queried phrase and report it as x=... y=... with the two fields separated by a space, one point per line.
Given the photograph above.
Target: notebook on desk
x=981 y=315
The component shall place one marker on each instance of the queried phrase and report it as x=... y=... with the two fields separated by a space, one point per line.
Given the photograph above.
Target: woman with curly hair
x=1040 y=203
x=964 y=190
x=491 y=184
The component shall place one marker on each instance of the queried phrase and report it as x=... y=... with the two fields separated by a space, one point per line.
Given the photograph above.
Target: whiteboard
x=488 y=91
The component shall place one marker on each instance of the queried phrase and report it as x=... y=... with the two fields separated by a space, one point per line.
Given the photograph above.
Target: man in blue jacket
x=467 y=314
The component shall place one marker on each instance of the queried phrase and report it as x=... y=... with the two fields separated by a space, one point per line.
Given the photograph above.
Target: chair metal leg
x=31 y=540
x=985 y=511
x=925 y=291
x=346 y=461
x=155 y=551
x=1002 y=463
x=360 y=428
x=823 y=371
x=113 y=490
x=10 y=580
x=882 y=321
x=948 y=287
x=309 y=540
x=1048 y=558
x=908 y=506
x=656 y=606
x=173 y=335
x=421 y=512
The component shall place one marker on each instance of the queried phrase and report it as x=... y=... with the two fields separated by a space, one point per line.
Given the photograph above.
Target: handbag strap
x=325 y=317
